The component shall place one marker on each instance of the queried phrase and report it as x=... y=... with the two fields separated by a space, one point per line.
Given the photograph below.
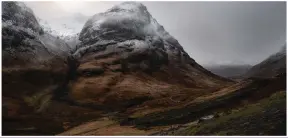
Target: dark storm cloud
x=211 y=32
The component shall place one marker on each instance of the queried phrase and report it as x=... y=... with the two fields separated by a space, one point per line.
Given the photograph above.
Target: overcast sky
x=210 y=32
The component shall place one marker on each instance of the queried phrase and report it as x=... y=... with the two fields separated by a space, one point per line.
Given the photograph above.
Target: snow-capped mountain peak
x=129 y=23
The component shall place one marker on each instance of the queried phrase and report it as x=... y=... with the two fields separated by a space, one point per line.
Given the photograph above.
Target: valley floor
x=250 y=107
x=265 y=116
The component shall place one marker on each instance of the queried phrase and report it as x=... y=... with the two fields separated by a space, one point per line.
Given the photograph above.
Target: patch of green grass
x=267 y=117
x=39 y=101
x=194 y=111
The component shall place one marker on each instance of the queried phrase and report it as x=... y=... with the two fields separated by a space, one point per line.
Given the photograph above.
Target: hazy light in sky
x=72 y=6
x=210 y=32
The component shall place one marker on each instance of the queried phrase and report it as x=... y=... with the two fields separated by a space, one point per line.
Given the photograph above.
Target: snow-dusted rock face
x=129 y=28
x=23 y=40
x=270 y=67
x=18 y=14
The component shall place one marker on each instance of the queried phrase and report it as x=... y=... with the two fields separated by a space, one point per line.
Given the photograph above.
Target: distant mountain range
x=229 y=71
x=269 y=67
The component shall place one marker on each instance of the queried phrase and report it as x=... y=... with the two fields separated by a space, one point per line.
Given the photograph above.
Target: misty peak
x=128 y=20
x=129 y=6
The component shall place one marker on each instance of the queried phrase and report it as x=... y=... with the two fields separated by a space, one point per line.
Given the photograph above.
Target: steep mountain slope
x=29 y=53
x=33 y=68
x=272 y=66
x=126 y=58
x=25 y=42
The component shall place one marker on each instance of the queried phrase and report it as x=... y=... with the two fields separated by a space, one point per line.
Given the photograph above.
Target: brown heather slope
x=107 y=84
x=245 y=100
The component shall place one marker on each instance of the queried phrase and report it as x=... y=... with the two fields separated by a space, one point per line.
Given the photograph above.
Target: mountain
x=33 y=68
x=122 y=61
x=270 y=67
x=229 y=71
x=123 y=75
x=128 y=66
x=126 y=58
x=24 y=40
